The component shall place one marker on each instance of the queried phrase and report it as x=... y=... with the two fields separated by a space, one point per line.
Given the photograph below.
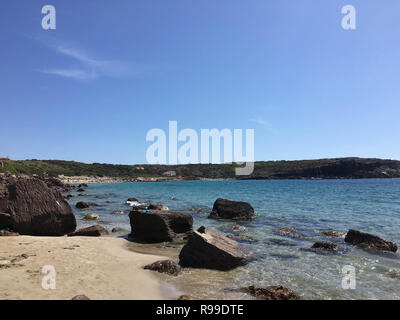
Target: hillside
x=322 y=168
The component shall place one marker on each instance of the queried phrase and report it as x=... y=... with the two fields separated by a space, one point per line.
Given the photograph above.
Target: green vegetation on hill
x=322 y=168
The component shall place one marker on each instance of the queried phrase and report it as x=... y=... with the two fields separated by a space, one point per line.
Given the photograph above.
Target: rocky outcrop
x=56 y=184
x=28 y=206
x=271 y=293
x=158 y=206
x=232 y=210
x=369 y=241
x=93 y=231
x=85 y=205
x=165 y=266
x=209 y=249
x=160 y=225
x=325 y=246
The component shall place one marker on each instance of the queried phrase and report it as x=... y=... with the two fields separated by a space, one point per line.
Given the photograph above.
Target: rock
x=83 y=185
x=237 y=228
x=271 y=293
x=332 y=233
x=184 y=297
x=158 y=206
x=93 y=231
x=81 y=190
x=165 y=266
x=290 y=232
x=160 y=225
x=29 y=207
x=80 y=297
x=91 y=216
x=201 y=211
x=85 y=205
x=119 y=212
x=325 y=245
x=232 y=210
x=56 y=184
x=207 y=248
x=241 y=237
x=369 y=241
x=118 y=230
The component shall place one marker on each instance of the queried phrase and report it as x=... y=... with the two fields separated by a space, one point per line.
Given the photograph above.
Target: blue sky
x=112 y=70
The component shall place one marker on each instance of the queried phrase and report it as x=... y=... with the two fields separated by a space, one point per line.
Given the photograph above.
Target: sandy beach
x=100 y=268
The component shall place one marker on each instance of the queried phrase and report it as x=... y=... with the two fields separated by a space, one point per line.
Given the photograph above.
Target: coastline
x=98 y=267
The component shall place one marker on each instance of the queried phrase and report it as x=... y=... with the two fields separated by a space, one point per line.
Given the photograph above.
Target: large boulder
x=369 y=241
x=271 y=293
x=93 y=231
x=158 y=206
x=209 y=249
x=28 y=206
x=160 y=225
x=232 y=210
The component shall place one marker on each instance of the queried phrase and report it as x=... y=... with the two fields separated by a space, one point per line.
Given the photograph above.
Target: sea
x=307 y=206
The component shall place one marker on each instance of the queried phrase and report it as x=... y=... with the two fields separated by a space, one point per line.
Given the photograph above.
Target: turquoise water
x=309 y=206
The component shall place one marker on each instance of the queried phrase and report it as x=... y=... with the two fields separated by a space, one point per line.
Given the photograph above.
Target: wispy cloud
x=259 y=120
x=86 y=66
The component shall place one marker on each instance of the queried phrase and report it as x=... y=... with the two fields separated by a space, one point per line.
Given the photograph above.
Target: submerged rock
x=332 y=233
x=91 y=216
x=85 y=205
x=369 y=241
x=29 y=207
x=232 y=210
x=271 y=293
x=290 y=232
x=281 y=242
x=165 y=266
x=158 y=206
x=325 y=246
x=93 y=231
x=209 y=249
x=160 y=225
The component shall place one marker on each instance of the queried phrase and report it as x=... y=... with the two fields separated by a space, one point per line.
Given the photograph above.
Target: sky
x=91 y=89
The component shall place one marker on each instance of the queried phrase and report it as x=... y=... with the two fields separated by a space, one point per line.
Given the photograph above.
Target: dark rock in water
x=207 y=248
x=332 y=233
x=80 y=297
x=85 y=205
x=83 y=185
x=28 y=206
x=118 y=230
x=290 y=232
x=272 y=293
x=201 y=211
x=185 y=297
x=160 y=225
x=325 y=246
x=232 y=210
x=369 y=241
x=158 y=206
x=281 y=242
x=165 y=266
x=93 y=231
x=81 y=190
